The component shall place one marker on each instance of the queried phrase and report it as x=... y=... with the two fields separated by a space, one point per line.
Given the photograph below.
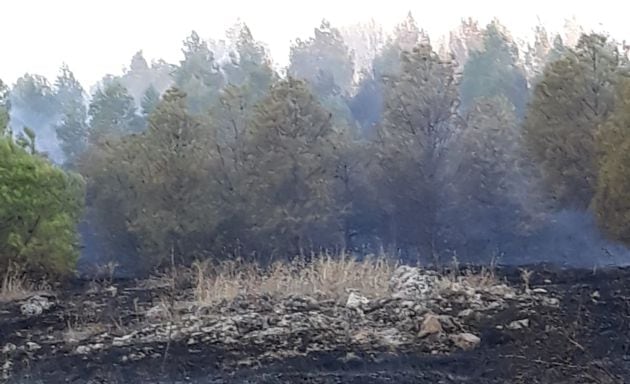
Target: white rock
x=8 y=348
x=412 y=283
x=465 y=313
x=157 y=313
x=31 y=346
x=356 y=301
x=550 y=301
x=82 y=350
x=540 y=290
x=518 y=324
x=465 y=340
x=36 y=305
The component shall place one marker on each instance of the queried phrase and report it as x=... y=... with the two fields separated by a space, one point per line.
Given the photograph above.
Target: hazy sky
x=96 y=37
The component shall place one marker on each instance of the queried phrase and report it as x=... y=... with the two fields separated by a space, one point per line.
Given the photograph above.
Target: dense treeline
x=456 y=149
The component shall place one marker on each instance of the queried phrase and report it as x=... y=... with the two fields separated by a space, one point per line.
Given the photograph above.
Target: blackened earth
x=584 y=339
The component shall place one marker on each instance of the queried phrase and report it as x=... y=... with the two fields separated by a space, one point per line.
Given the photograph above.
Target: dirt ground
x=586 y=339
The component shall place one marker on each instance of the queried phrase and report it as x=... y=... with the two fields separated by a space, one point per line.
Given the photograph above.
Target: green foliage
x=40 y=206
x=488 y=196
x=419 y=121
x=250 y=65
x=613 y=186
x=407 y=36
x=5 y=105
x=72 y=128
x=490 y=151
x=198 y=75
x=112 y=112
x=574 y=97
x=139 y=77
x=292 y=146
x=611 y=199
x=156 y=183
x=324 y=61
x=34 y=97
x=466 y=39
x=494 y=71
x=150 y=101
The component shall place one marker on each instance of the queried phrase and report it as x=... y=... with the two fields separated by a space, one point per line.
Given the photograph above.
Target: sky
x=98 y=37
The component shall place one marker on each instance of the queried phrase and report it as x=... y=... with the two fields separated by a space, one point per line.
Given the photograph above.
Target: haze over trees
x=469 y=148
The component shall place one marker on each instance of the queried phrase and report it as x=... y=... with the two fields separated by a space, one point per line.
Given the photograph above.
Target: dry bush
x=332 y=277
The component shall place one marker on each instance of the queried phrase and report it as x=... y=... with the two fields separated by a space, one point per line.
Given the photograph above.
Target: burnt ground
x=586 y=339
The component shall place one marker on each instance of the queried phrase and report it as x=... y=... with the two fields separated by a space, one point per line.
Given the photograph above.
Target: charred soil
x=571 y=326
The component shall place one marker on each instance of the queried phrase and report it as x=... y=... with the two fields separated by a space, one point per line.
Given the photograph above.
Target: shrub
x=40 y=206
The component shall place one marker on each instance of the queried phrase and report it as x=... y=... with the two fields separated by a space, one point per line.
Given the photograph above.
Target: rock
x=540 y=291
x=36 y=305
x=112 y=290
x=123 y=340
x=595 y=295
x=447 y=323
x=492 y=305
x=82 y=350
x=356 y=301
x=302 y=304
x=31 y=346
x=391 y=337
x=550 y=302
x=430 y=325
x=8 y=348
x=465 y=313
x=157 y=313
x=410 y=283
x=518 y=324
x=465 y=341
x=547 y=281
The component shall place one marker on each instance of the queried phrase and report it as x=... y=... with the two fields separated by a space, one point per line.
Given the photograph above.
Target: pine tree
x=72 y=127
x=198 y=75
x=419 y=122
x=250 y=65
x=613 y=144
x=34 y=105
x=150 y=101
x=291 y=154
x=494 y=71
x=5 y=106
x=488 y=194
x=574 y=97
x=112 y=112
x=324 y=61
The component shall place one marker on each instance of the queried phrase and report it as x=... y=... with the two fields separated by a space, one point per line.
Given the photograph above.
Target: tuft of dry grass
x=484 y=279
x=328 y=276
x=16 y=286
x=74 y=334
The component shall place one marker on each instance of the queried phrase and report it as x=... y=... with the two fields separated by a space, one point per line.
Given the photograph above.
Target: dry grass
x=329 y=276
x=484 y=279
x=15 y=286
x=75 y=334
